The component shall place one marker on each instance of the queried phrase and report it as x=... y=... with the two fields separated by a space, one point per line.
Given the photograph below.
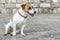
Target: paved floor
x=40 y=27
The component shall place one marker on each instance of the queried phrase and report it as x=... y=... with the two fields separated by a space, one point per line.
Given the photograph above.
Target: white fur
x=31 y=11
x=17 y=19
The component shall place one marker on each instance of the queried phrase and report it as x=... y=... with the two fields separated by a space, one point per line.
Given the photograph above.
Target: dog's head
x=28 y=8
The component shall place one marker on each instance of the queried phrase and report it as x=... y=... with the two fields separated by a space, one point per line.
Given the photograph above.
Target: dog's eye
x=29 y=8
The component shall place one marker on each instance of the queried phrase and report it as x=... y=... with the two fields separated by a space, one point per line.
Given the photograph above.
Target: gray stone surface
x=38 y=4
x=19 y=1
x=40 y=27
x=55 y=0
x=45 y=5
x=2 y=1
x=1 y=5
x=10 y=5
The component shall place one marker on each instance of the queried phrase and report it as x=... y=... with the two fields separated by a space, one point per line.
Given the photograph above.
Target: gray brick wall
x=41 y=6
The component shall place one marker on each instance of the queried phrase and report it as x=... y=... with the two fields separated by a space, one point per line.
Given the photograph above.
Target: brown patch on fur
x=11 y=18
x=26 y=7
x=10 y=30
x=23 y=6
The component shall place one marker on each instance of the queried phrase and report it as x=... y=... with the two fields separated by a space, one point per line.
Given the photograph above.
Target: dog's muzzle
x=32 y=14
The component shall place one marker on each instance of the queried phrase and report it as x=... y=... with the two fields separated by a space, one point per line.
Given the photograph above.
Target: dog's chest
x=18 y=19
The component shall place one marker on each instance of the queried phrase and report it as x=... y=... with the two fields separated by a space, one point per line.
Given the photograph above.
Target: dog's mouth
x=32 y=14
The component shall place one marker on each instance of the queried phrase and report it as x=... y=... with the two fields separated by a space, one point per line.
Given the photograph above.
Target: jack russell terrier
x=19 y=17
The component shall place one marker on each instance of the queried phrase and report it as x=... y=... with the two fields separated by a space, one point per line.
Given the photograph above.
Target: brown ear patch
x=23 y=6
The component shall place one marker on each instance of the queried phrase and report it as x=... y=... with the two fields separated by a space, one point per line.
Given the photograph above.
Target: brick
x=13 y=1
x=24 y=1
x=19 y=1
x=0 y=10
x=8 y=1
x=55 y=4
x=48 y=1
x=55 y=0
x=58 y=9
x=45 y=5
x=55 y=10
x=18 y=5
x=39 y=10
x=14 y=11
x=1 y=5
x=37 y=1
x=10 y=5
x=31 y=0
x=58 y=0
x=2 y=1
x=42 y=0
x=44 y=10
x=4 y=11
x=50 y=10
x=9 y=11
x=34 y=5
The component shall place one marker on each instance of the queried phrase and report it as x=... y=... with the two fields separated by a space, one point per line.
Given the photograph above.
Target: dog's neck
x=23 y=12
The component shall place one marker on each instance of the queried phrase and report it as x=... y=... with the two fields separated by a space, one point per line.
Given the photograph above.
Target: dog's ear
x=23 y=6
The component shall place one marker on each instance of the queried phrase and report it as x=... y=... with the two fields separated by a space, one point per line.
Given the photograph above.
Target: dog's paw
x=5 y=34
x=22 y=34
x=11 y=35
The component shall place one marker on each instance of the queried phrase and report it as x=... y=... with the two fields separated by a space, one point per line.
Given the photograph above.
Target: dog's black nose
x=34 y=11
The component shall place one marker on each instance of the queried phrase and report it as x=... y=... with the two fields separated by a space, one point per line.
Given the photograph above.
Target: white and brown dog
x=19 y=17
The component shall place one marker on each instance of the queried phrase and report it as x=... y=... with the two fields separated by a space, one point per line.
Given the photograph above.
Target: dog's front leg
x=7 y=28
x=22 y=28
x=14 y=29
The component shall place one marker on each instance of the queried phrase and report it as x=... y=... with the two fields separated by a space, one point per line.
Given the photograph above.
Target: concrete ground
x=40 y=27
